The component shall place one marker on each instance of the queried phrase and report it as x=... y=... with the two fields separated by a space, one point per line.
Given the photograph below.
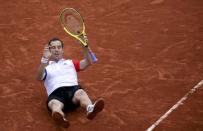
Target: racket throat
x=83 y=40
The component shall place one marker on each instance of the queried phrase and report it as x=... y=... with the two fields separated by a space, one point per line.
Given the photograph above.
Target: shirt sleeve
x=76 y=64
x=44 y=75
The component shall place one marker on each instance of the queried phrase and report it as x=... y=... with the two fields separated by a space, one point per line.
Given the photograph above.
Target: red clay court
x=150 y=56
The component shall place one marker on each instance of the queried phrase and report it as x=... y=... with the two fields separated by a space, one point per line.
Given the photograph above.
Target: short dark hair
x=55 y=39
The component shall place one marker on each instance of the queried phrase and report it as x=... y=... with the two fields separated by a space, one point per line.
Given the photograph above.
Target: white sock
x=90 y=108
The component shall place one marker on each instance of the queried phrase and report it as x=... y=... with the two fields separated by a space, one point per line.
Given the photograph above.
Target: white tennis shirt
x=61 y=73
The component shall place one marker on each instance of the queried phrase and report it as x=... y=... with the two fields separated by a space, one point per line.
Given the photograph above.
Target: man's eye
x=52 y=47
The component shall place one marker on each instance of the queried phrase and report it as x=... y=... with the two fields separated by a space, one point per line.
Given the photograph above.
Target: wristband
x=44 y=60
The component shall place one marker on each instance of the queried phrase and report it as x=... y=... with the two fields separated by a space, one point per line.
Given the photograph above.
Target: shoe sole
x=98 y=107
x=58 y=118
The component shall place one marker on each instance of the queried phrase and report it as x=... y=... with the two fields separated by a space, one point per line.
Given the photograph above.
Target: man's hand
x=46 y=53
x=85 y=38
x=44 y=62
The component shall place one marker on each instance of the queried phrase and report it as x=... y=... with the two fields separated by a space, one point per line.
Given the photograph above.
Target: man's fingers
x=46 y=46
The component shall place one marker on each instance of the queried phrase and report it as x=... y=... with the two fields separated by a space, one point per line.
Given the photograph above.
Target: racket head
x=72 y=21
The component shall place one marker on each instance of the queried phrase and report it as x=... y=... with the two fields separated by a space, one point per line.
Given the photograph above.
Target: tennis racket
x=73 y=24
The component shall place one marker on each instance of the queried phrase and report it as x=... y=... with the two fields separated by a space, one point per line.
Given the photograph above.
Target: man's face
x=56 y=50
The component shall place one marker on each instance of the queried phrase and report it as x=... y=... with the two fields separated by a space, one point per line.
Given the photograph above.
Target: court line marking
x=180 y=102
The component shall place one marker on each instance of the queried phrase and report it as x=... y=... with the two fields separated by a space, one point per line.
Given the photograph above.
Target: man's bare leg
x=57 y=113
x=85 y=102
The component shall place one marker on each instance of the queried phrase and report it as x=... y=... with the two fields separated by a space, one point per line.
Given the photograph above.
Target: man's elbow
x=39 y=77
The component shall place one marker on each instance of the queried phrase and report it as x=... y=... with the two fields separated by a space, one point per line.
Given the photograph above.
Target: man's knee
x=80 y=93
x=54 y=103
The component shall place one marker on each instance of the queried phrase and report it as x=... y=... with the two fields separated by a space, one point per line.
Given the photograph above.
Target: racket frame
x=80 y=36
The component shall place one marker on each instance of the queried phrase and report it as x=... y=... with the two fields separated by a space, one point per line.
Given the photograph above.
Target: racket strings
x=72 y=21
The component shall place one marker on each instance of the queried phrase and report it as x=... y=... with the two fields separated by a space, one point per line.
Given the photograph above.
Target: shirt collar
x=61 y=60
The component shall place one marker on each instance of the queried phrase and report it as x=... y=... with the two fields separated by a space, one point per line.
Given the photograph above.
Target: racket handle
x=92 y=55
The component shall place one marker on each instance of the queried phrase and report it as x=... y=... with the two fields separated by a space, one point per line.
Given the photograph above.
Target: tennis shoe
x=61 y=120
x=97 y=107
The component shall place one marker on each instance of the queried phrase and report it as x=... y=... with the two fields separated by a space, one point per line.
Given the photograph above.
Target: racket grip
x=93 y=57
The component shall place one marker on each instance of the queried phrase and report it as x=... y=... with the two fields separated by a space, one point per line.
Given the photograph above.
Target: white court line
x=180 y=102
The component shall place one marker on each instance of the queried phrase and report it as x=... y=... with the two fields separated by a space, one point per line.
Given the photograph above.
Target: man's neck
x=57 y=60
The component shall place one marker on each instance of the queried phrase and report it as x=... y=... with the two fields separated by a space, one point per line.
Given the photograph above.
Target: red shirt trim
x=76 y=64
